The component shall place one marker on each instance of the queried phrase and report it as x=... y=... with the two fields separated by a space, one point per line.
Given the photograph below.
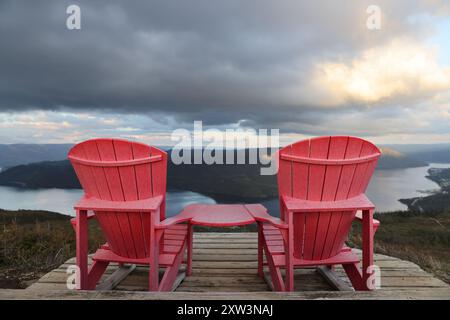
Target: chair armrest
x=94 y=204
x=73 y=221
x=376 y=223
x=179 y=218
x=260 y=214
x=360 y=202
x=90 y=215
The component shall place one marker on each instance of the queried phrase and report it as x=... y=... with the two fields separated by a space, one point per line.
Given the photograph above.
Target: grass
x=35 y=242
x=423 y=238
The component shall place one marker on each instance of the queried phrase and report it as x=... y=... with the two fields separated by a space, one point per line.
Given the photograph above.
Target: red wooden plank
x=99 y=181
x=367 y=230
x=338 y=147
x=353 y=150
x=159 y=177
x=318 y=149
x=333 y=229
x=223 y=215
x=82 y=280
x=136 y=185
x=370 y=169
x=107 y=153
x=344 y=228
x=324 y=242
x=354 y=147
x=300 y=176
x=123 y=151
x=359 y=177
x=299 y=224
x=355 y=203
x=284 y=177
x=92 y=153
x=300 y=171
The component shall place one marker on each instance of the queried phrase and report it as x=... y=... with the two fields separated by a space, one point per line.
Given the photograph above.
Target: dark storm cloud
x=219 y=61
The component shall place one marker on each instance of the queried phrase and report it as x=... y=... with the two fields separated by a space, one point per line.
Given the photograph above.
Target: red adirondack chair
x=321 y=185
x=125 y=185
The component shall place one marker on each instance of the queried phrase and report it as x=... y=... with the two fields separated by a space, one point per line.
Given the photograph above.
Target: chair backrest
x=324 y=169
x=121 y=170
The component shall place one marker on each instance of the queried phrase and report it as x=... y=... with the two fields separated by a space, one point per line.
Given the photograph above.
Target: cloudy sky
x=140 y=69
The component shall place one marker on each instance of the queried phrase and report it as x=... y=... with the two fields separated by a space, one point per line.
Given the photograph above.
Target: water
x=62 y=200
x=386 y=187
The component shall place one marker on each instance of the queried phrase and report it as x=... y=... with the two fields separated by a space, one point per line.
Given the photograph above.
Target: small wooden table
x=219 y=215
x=222 y=215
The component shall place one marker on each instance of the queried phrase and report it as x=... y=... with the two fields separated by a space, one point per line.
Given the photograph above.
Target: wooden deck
x=225 y=268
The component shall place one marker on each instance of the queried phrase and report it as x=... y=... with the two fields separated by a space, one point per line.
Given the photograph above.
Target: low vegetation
x=420 y=237
x=35 y=242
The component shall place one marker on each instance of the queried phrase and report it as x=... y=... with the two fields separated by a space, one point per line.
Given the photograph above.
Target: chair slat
x=91 y=152
x=159 y=178
x=324 y=241
x=124 y=152
x=318 y=149
x=107 y=153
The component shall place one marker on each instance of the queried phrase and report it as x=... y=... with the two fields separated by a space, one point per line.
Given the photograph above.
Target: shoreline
x=436 y=200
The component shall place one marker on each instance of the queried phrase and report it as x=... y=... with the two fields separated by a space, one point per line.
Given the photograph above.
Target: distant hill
x=224 y=183
x=16 y=154
x=438 y=153
x=48 y=174
x=393 y=159
x=28 y=217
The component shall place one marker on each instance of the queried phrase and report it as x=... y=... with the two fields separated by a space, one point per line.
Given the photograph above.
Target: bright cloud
x=401 y=69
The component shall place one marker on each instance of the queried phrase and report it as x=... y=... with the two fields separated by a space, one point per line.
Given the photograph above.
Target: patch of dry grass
x=423 y=238
x=30 y=247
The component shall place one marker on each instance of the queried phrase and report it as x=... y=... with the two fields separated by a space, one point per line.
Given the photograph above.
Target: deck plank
x=225 y=268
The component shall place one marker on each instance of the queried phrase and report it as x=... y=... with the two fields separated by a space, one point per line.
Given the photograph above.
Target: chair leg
x=95 y=273
x=82 y=280
x=275 y=272
x=171 y=273
x=354 y=274
x=289 y=251
x=260 y=251
x=189 y=249
x=367 y=252
x=153 y=277
x=289 y=278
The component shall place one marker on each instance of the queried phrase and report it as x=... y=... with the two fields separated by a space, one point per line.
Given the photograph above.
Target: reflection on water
x=386 y=187
x=62 y=200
